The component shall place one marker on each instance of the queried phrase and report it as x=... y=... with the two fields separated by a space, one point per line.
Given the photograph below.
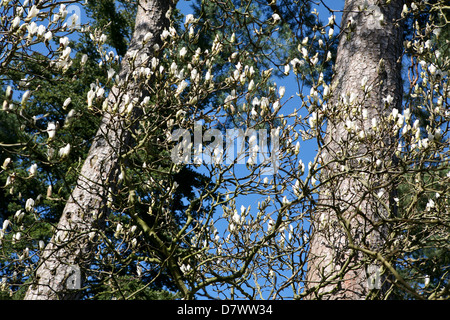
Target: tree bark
x=71 y=249
x=348 y=208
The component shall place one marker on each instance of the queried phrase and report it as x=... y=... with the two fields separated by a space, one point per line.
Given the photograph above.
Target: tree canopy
x=213 y=192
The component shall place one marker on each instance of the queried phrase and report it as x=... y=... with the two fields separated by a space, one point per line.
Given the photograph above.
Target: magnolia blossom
x=6 y=224
x=165 y=34
x=29 y=205
x=183 y=52
x=6 y=163
x=64 y=42
x=25 y=97
x=330 y=33
x=64 y=151
x=48 y=36
x=15 y=23
x=189 y=19
x=51 y=130
x=32 y=13
x=281 y=91
x=33 y=169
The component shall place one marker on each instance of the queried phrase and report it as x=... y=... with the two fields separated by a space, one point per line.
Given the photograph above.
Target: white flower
x=189 y=19
x=29 y=205
x=51 y=130
x=63 y=11
x=185 y=268
x=40 y=31
x=286 y=69
x=84 y=59
x=111 y=73
x=297 y=148
x=66 y=102
x=6 y=163
x=276 y=17
x=251 y=85
x=103 y=38
x=304 y=52
x=66 y=52
x=404 y=10
x=165 y=34
x=32 y=13
x=395 y=113
x=426 y=281
x=281 y=91
x=147 y=37
x=374 y=124
x=365 y=114
x=388 y=100
x=33 y=169
x=48 y=36
x=6 y=223
x=64 y=41
x=15 y=23
x=183 y=52
x=173 y=68
x=236 y=218
x=64 y=151
x=432 y=68
x=431 y=204
x=276 y=106
x=183 y=85
x=331 y=19
x=297 y=188
x=26 y=96
x=330 y=33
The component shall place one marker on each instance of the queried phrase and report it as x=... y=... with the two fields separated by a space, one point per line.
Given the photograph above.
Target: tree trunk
x=369 y=51
x=71 y=248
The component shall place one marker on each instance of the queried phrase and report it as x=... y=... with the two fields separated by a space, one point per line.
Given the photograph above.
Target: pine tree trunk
x=70 y=249
x=369 y=51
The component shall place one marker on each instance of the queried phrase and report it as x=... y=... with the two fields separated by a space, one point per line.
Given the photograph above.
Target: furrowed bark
x=350 y=205
x=71 y=248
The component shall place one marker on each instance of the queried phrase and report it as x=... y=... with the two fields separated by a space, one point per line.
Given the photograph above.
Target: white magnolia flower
x=431 y=204
x=26 y=96
x=389 y=99
x=48 y=36
x=29 y=205
x=6 y=223
x=15 y=23
x=251 y=85
x=33 y=169
x=330 y=33
x=32 y=13
x=286 y=69
x=64 y=41
x=281 y=91
x=183 y=52
x=6 y=163
x=189 y=19
x=276 y=17
x=51 y=130
x=40 y=31
x=64 y=151
x=183 y=85
x=165 y=34
x=331 y=19
x=432 y=68
x=147 y=37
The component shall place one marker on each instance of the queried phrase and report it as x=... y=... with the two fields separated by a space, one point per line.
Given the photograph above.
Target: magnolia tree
x=367 y=217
